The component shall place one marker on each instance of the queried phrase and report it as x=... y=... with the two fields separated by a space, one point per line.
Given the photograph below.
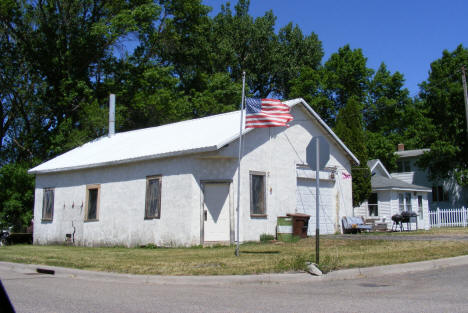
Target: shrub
x=266 y=237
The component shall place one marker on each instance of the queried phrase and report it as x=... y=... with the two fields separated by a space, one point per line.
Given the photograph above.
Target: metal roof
x=192 y=136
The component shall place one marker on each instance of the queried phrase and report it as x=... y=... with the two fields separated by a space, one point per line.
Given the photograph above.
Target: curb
x=395 y=269
x=286 y=278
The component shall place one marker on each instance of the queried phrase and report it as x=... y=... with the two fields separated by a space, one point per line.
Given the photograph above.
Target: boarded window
x=153 y=197
x=257 y=194
x=373 y=205
x=48 y=204
x=92 y=203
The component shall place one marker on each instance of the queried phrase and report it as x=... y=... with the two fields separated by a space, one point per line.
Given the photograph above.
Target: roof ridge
x=168 y=124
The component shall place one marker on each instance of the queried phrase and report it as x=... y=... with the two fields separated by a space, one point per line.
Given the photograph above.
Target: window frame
x=439 y=194
x=404 y=166
x=44 y=190
x=403 y=203
x=158 y=209
x=264 y=175
x=88 y=188
x=375 y=206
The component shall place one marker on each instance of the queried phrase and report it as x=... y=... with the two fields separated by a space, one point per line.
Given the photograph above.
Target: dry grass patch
x=255 y=257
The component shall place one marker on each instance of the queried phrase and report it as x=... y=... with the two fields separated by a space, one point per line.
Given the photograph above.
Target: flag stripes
x=266 y=113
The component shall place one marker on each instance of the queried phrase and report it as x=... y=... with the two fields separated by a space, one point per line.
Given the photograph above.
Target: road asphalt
x=430 y=286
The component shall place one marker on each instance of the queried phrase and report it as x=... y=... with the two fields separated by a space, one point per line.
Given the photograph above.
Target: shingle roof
x=383 y=183
x=192 y=136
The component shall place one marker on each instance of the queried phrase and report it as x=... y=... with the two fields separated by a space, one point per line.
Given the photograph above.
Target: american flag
x=266 y=113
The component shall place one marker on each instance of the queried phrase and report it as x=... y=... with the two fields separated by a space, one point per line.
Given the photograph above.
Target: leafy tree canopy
x=442 y=94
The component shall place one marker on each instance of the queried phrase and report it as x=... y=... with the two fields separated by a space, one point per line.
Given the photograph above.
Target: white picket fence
x=449 y=217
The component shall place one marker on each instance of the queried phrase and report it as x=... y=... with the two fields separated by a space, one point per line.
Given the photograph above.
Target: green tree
x=349 y=128
x=442 y=93
x=347 y=76
x=51 y=77
x=386 y=102
x=295 y=53
x=16 y=196
x=311 y=86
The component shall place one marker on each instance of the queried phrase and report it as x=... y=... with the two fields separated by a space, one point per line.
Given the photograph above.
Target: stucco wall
x=275 y=151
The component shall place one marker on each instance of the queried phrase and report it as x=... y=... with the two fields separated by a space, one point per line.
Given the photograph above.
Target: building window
x=92 y=202
x=404 y=202
x=420 y=208
x=153 y=197
x=409 y=207
x=48 y=204
x=373 y=205
x=404 y=166
x=439 y=194
x=401 y=202
x=257 y=194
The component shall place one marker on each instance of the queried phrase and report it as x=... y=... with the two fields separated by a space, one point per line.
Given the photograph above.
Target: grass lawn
x=255 y=257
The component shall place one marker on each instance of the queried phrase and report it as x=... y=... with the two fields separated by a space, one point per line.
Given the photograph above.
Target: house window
x=401 y=202
x=439 y=194
x=373 y=205
x=92 y=202
x=153 y=197
x=409 y=207
x=257 y=194
x=404 y=166
x=420 y=208
x=48 y=204
x=404 y=202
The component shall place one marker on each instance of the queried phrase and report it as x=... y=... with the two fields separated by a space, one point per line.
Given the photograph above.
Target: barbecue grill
x=404 y=217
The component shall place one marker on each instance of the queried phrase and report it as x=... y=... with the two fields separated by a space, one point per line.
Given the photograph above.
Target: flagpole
x=239 y=167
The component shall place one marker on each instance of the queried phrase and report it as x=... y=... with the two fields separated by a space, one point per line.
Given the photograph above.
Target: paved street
x=442 y=290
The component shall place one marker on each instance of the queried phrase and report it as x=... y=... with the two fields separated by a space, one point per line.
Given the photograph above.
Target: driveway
x=403 y=237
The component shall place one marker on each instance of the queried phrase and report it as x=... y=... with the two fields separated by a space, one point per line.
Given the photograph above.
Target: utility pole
x=466 y=97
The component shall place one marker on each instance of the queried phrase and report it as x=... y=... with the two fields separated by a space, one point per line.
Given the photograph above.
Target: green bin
x=284 y=229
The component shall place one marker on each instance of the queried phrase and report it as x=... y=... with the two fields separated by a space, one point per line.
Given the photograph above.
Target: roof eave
x=401 y=189
x=124 y=161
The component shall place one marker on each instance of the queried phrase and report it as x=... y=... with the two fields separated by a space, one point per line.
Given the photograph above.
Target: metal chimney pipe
x=111 y=115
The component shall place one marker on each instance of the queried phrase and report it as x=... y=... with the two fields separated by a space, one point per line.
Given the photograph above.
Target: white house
x=177 y=184
x=446 y=194
x=392 y=196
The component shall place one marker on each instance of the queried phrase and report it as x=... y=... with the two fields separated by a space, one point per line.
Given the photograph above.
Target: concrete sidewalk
x=284 y=278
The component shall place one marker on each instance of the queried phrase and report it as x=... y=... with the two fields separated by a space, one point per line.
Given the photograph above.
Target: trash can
x=284 y=228
x=300 y=223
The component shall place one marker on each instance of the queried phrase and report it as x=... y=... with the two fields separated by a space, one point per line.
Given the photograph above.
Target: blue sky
x=406 y=35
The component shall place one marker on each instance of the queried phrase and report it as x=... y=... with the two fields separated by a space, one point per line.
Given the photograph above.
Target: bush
x=266 y=237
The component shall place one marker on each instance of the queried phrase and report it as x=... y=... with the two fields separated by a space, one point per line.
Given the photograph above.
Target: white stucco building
x=177 y=184
x=392 y=196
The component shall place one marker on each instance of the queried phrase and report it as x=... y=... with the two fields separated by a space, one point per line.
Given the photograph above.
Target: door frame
x=203 y=183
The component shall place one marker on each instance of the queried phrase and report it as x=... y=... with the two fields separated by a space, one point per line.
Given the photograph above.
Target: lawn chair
x=353 y=225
